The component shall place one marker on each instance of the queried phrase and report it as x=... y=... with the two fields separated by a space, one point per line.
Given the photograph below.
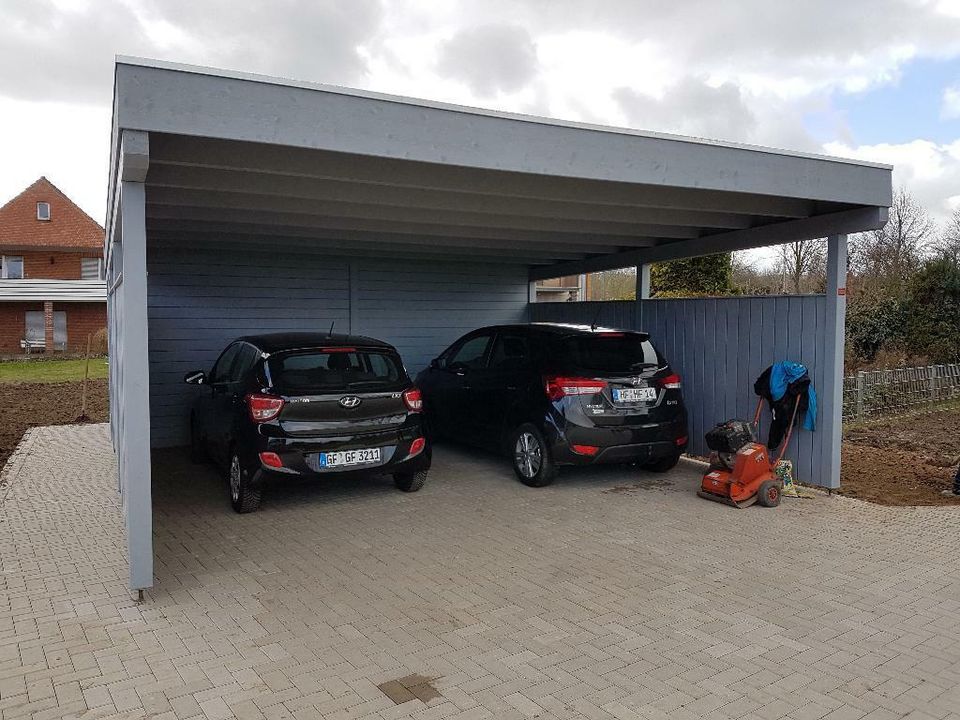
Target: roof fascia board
x=183 y=101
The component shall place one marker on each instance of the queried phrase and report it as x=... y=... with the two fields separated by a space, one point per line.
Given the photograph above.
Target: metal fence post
x=860 y=395
x=933 y=382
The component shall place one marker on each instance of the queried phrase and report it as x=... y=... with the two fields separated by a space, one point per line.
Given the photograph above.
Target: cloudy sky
x=873 y=79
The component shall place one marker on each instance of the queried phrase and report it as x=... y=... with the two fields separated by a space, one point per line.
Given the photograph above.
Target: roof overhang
x=268 y=163
x=26 y=290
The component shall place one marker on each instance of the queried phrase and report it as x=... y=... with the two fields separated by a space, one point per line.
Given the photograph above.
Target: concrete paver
x=611 y=594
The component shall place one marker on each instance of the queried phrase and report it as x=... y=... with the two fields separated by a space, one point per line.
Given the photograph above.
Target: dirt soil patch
x=903 y=461
x=27 y=405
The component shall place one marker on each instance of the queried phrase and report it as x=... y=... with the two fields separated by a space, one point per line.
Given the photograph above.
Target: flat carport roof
x=273 y=162
x=209 y=158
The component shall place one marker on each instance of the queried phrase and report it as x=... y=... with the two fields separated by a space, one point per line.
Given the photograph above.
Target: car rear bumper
x=620 y=444
x=299 y=456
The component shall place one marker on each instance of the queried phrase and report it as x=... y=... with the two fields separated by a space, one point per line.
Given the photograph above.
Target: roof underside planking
x=265 y=163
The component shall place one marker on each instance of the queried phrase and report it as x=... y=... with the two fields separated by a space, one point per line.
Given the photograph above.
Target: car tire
x=532 y=459
x=662 y=464
x=410 y=482
x=769 y=494
x=243 y=498
x=198 y=453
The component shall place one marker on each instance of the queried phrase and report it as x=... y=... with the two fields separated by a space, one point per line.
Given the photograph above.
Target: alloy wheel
x=528 y=455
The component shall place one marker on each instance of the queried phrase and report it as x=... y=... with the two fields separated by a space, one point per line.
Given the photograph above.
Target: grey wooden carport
x=234 y=198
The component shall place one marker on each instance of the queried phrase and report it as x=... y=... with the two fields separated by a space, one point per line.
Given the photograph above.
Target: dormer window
x=43 y=211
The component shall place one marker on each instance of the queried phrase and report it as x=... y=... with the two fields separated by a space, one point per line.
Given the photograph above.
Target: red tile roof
x=69 y=227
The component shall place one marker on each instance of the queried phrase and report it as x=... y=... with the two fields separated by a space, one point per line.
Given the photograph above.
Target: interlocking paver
x=573 y=601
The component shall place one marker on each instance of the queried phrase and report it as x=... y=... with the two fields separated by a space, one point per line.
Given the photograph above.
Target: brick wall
x=13 y=325
x=82 y=319
x=52 y=265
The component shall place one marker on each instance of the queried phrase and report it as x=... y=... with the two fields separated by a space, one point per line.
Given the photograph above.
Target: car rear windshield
x=333 y=370
x=613 y=353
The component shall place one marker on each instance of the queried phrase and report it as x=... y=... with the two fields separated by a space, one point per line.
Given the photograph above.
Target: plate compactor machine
x=741 y=470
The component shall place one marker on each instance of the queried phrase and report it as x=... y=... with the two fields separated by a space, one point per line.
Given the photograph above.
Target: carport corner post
x=833 y=376
x=134 y=450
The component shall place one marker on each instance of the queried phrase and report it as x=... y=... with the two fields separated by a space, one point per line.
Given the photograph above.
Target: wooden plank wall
x=719 y=346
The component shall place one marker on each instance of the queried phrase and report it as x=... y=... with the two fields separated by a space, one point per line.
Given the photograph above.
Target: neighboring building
x=52 y=292
x=562 y=289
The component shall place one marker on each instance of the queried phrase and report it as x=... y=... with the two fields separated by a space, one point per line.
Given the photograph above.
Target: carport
x=241 y=203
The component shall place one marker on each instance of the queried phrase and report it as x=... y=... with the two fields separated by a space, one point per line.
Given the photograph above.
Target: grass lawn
x=50 y=371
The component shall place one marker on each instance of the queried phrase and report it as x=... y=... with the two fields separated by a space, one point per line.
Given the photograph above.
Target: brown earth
x=903 y=461
x=26 y=405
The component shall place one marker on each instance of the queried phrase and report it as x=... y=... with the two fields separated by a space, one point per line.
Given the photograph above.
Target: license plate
x=633 y=395
x=367 y=456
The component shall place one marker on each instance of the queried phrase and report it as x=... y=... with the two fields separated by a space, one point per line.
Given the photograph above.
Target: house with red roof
x=52 y=289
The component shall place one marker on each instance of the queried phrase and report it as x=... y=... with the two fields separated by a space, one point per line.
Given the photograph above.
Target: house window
x=11 y=267
x=43 y=211
x=91 y=268
x=36 y=334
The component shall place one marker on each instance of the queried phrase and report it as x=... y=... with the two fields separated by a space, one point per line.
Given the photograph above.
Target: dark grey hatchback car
x=552 y=394
x=284 y=405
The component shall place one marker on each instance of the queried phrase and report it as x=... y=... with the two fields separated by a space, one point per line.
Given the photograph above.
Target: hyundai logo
x=350 y=401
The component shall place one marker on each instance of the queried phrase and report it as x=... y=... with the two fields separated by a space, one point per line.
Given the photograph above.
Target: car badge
x=350 y=401
x=636 y=381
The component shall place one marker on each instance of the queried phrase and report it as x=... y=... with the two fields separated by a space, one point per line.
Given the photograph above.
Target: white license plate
x=633 y=395
x=368 y=456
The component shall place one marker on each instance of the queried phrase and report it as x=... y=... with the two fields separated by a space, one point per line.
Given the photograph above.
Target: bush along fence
x=875 y=393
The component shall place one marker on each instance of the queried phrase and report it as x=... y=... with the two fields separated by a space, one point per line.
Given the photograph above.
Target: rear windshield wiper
x=641 y=365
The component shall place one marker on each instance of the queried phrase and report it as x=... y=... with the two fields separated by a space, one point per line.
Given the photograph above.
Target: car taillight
x=264 y=407
x=558 y=386
x=681 y=441
x=670 y=382
x=413 y=399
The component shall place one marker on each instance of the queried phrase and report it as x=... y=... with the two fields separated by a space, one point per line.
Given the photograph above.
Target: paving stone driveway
x=612 y=594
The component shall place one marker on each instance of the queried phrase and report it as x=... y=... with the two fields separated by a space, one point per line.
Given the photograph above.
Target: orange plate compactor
x=744 y=475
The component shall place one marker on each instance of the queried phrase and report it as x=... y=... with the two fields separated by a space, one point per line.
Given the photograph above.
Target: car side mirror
x=435 y=364
x=459 y=368
x=195 y=377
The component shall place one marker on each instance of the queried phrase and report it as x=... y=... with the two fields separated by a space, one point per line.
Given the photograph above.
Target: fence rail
x=875 y=393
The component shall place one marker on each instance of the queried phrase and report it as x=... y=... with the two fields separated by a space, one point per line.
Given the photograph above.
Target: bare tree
x=948 y=244
x=801 y=265
x=886 y=258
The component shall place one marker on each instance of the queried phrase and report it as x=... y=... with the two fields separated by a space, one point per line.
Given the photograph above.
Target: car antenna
x=330 y=334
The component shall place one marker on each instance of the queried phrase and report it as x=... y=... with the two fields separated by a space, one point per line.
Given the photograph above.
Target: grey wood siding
x=719 y=346
x=199 y=300
x=422 y=307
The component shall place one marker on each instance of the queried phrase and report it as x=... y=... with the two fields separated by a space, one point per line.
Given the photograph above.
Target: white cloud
x=930 y=170
x=951 y=103
x=746 y=71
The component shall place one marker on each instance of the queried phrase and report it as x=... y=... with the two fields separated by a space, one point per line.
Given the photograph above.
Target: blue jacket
x=785 y=372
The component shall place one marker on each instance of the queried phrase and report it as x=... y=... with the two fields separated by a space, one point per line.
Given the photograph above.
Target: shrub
x=933 y=311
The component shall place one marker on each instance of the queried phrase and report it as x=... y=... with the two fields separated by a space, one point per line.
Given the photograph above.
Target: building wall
x=13 y=325
x=82 y=318
x=719 y=346
x=51 y=264
x=199 y=300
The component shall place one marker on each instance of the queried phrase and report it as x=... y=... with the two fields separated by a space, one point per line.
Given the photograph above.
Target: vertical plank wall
x=720 y=346
x=200 y=300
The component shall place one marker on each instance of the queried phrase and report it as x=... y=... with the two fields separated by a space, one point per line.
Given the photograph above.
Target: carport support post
x=832 y=402
x=127 y=250
x=643 y=282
